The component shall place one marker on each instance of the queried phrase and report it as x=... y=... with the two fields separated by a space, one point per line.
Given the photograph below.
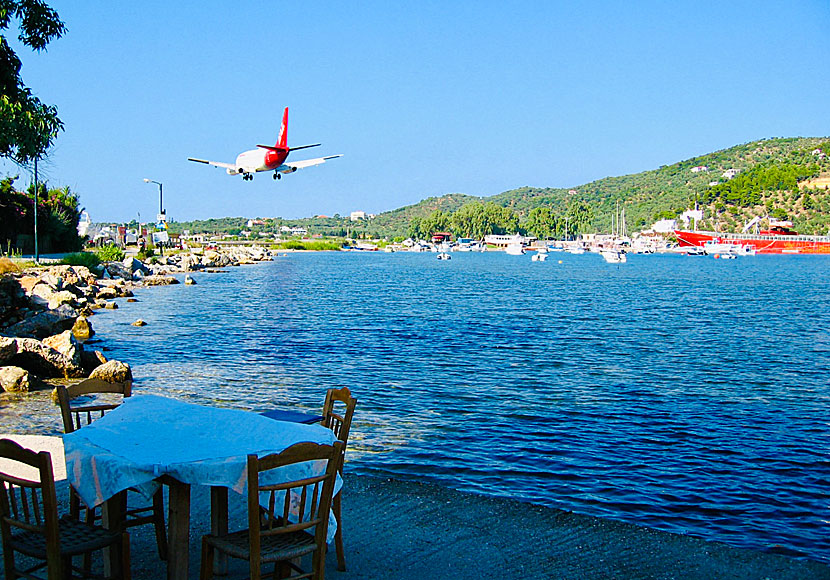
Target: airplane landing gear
x=277 y=175
x=247 y=177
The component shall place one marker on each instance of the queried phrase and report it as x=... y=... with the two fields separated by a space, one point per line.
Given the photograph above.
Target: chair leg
x=65 y=573
x=338 y=536
x=158 y=523
x=206 y=569
x=126 y=571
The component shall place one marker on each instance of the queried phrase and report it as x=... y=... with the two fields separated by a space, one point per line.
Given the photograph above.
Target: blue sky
x=423 y=99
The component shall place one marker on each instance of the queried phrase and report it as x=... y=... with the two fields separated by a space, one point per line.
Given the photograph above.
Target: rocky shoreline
x=45 y=313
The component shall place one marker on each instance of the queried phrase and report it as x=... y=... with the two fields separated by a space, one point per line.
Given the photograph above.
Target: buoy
x=560 y=261
x=717 y=256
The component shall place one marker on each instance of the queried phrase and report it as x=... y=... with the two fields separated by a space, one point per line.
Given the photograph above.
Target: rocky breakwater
x=44 y=322
x=160 y=270
x=44 y=313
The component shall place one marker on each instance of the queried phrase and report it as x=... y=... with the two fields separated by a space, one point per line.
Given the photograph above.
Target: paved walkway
x=398 y=530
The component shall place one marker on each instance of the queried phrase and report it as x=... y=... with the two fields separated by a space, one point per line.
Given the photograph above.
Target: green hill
x=786 y=178
x=770 y=170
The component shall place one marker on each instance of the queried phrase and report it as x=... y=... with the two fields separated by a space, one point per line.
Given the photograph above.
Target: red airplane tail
x=282 y=140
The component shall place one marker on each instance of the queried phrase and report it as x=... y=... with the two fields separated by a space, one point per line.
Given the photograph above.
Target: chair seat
x=273 y=548
x=75 y=538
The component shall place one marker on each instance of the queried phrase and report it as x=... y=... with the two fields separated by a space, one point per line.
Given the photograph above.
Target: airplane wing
x=291 y=166
x=214 y=163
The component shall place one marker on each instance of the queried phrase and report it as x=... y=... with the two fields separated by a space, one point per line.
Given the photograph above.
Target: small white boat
x=514 y=249
x=539 y=257
x=614 y=256
x=444 y=256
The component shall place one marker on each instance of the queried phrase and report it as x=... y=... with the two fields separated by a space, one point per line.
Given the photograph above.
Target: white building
x=664 y=226
x=730 y=173
x=699 y=168
x=357 y=215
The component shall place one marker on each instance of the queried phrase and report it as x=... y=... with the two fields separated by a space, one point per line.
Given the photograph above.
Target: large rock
x=107 y=293
x=42 y=360
x=159 y=280
x=82 y=329
x=12 y=295
x=113 y=372
x=92 y=360
x=8 y=348
x=62 y=297
x=135 y=265
x=119 y=270
x=18 y=380
x=46 y=323
x=66 y=344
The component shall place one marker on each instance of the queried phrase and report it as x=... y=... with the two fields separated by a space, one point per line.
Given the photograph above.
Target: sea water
x=683 y=393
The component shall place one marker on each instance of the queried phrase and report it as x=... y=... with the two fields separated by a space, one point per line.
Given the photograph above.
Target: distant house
x=700 y=168
x=664 y=226
x=357 y=215
x=730 y=173
x=253 y=223
x=713 y=183
x=297 y=231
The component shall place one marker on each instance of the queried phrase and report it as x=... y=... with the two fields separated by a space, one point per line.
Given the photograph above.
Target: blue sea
x=682 y=393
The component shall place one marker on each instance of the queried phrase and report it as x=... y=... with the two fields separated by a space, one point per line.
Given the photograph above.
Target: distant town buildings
x=298 y=231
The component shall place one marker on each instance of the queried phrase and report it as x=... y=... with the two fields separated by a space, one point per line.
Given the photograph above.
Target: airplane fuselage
x=268 y=157
x=258 y=160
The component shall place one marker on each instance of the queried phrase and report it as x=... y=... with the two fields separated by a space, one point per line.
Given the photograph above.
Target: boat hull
x=762 y=243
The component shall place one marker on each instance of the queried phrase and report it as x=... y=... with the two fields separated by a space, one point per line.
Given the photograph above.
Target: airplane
x=269 y=157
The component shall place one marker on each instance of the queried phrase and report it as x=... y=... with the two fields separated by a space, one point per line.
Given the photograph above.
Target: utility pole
x=37 y=256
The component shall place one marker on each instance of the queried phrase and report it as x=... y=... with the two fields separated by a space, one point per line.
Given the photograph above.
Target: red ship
x=778 y=239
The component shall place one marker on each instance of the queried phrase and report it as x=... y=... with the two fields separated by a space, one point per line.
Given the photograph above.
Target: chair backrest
x=296 y=505
x=338 y=410
x=27 y=499
x=75 y=417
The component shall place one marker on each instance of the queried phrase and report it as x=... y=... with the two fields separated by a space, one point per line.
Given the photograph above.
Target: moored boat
x=776 y=240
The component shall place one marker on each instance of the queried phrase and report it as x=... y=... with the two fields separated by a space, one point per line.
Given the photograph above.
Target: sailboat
x=616 y=253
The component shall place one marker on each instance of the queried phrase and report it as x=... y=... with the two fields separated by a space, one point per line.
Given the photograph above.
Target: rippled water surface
x=686 y=394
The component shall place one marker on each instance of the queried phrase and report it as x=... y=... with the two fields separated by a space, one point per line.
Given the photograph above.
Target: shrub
x=145 y=253
x=110 y=253
x=316 y=246
x=88 y=259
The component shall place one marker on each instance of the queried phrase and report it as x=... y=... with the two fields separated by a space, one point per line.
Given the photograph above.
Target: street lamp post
x=161 y=197
x=161 y=207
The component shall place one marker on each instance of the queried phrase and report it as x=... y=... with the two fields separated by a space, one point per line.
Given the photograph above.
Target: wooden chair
x=338 y=410
x=272 y=536
x=30 y=524
x=77 y=416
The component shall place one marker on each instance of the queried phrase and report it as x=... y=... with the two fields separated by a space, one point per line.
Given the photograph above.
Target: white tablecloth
x=148 y=436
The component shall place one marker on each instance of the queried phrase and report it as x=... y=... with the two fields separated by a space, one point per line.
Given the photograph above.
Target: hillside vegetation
x=786 y=178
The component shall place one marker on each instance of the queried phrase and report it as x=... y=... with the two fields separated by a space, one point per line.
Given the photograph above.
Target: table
x=148 y=438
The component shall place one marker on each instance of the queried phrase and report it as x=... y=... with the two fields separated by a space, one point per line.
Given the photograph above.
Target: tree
x=542 y=223
x=580 y=216
x=27 y=126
